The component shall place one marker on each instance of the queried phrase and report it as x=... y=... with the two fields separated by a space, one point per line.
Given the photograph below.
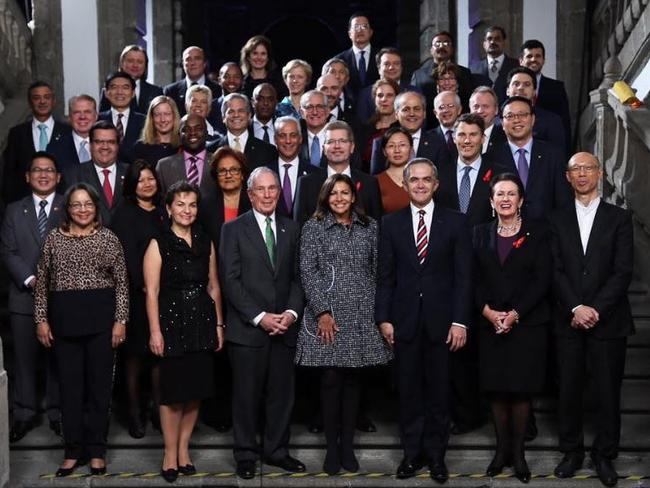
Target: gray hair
x=286 y=119
x=485 y=89
x=232 y=96
x=442 y=94
x=260 y=171
x=407 y=169
x=397 y=104
x=307 y=95
x=198 y=89
x=332 y=61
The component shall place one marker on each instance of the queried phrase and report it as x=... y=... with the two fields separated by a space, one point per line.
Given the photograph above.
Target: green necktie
x=269 y=237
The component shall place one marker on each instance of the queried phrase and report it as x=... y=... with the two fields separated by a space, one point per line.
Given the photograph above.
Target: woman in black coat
x=514 y=269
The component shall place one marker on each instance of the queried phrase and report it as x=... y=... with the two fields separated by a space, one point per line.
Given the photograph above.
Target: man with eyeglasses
x=447 y=108
x=592 y=245
x=236 y=112
x=339 y=146
x=442 y=49
x=26 y=224
x=360 y=56
x=548 y=125
x=540 y=165
x=106 y=173
x=264 y=298
x=314 y=111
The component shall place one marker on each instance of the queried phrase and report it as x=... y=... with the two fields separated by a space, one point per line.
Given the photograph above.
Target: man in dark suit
x=550 y=93
x=104 y=172
x=257 y=256
x=410 y=109
x=231 y=80
x=265 y=98
x=339 y=68
x=540 y=165
x=236 y=112
x=120 y=90
x=134 y=61
x=194 y=65
x=484 y=102
x=423 y=308
x=447 y=108
x=548 y=125
x=27 y=138
x=24 y=229
x=497 y=64
x=289 y=165
x=74 y=148
x=592 y=245
x=192 y=163
x=314 y=111
x=360 y=57
x=339 y=146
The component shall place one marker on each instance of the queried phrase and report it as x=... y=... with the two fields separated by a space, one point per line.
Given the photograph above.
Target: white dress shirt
x=199 y=81
x=243 y=139
x=473 y=174
x=321 y=140
x=499 y=59
x=111 y=176
x=36 y=132
x=486 y=138
x=416 y=140
x=125 y=119
x=77 y=139
x=415 y=218
x=514 y=148
x=258 y=129
x=138 y=84
x=347 y=171
x=586 y=215
x=366 y=55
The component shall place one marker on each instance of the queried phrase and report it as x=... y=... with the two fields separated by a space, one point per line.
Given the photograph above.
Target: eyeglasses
x=231 y=171
x=442 y=43
x=360 y=27
x=446 y=106
x=592 y=168
x=38 y=171
x=312 y=108
x=334 y=142
x=520 y=116
x=76 y=206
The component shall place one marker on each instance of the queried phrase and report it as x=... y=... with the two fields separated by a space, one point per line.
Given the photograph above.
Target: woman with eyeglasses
x=81 y=306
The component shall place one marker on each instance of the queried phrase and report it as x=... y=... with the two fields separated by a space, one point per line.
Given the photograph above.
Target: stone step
x=637 y=362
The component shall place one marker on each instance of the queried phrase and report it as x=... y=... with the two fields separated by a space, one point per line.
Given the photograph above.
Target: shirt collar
x=110 y=168
x=261 y=218
x=49 y=122
x=366 y=52
x=588 y=208
x=294 y=162
x=199 y=81
x=269 y=124
x=347 y=171
x=498 y=58
x=476 y=164
x=78 y=139
x=428 y=208
x=124 y=112
x=528 y=146
x=37 y=199
x=200 y=156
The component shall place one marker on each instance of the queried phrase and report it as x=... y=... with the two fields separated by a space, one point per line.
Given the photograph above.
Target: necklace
x=509 y=228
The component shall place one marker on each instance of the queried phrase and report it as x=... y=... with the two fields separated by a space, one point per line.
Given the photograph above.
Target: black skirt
x=186 y=378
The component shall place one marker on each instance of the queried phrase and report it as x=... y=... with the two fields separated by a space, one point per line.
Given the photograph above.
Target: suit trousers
x=29 y=356
x=262 y=382
x=422 y=371
x=85 y=365
x=605 y=359
x=467 y=402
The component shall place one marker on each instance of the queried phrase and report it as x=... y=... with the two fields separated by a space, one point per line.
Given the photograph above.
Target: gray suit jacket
x=172 y=169
x=20 y=248
x=252 y=285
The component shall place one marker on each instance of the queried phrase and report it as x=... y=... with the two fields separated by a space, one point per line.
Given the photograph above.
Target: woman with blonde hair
x=297 y=76
x=160 y=135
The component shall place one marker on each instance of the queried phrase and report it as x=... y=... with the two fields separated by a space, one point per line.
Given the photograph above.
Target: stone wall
x=4 y=424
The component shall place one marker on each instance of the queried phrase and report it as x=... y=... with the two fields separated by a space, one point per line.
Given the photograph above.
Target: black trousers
x=605 y=359
x=466 y=404
x=422 y=375
x=262 y=381
x=29 y=356
x=85 y=367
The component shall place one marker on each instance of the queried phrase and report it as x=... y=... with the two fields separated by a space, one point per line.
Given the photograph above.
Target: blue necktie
x=83 y=152
x=522 y=166
x=362 y=68
x=42 y=137
x=314 y=155
x=464 y=191
x=41 y=219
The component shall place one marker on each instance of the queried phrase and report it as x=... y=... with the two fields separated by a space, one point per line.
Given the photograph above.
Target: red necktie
x=108 y=191
x=422 y=240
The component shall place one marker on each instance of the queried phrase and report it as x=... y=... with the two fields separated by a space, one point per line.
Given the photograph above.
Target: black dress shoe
x=136 y=428
x=19 y=429
x=349 y=461
x=332 y=463
x=169 y=475
x=605 y=470
x=56 y=426
x=63 y=472
x=571 y=462
x=364 y=424
x=246 y=469
x=438 y=472
x=495 y=467
x=288 y=464
x=187 y=470
x=408 y=468
x=520 y=467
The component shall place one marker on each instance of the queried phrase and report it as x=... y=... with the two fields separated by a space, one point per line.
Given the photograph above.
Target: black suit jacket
x=479 y=210
x=304 y=168
x=134 y=126
x=431 y=146
x=547 y=187
x=177 y=91
x=366 y=105
x=500 y=84
x=65 y=152
x=523 y=281
x=441 y=287
x=548 y=127
x=309 y=188
x=250 y=282
x=86 y=173
x=551 y=96
x=18 y=156
x=211 y=213
x=599 y=278
x=21 y=248
x=258 y=153
x=372 y=74
x=147 y=93
x=497 y=137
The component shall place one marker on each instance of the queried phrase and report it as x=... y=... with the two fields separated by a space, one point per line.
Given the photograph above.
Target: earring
x=493 y=213
x=518 y=211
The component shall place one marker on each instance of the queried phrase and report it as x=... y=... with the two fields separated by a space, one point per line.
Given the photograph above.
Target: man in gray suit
x=192 y=163
x=257 y=257
x=25 y=226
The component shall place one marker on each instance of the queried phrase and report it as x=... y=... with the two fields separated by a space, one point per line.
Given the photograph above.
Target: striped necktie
x=193 y=171
x=422 y=241
x=41 y=219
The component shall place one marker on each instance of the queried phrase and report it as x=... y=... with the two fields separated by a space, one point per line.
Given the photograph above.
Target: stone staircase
x=136 y=462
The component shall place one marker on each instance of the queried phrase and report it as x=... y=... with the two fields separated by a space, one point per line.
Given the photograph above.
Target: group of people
x=208 y=218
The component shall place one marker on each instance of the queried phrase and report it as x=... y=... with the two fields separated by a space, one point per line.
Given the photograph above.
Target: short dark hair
x=38 y=84
x=103 y=125
x=507 y=177
x=473 y=119
x=119 y=74
x=395 y=130
x=532 y=44
x=179 y=187
x=225 y=151
x=517 y=98
x=493 y=28
x=524 y=70
x=358 y=14
x=323 y=206
x=133 y=175
x=94 y=196
x=443 y=33
x=43 y=154
x=386 y=50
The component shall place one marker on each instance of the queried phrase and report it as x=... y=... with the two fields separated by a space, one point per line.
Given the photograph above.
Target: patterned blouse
x=81 y=263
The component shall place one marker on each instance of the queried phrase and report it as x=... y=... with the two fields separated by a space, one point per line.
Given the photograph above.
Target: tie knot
x=467 y=169
x=106 y=172
x=422 y=213
x=119 y=116
x=193 y=159
x=522 y=151
x=42 y=126
x=268 y=220
x=43 y=203
x=287 y=166
x=361 y=53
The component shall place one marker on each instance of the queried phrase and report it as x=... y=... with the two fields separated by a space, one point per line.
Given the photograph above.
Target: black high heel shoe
x=520 y=467
x=98 y=471
x=63 y=472
x=187 y=470
x=169 y=475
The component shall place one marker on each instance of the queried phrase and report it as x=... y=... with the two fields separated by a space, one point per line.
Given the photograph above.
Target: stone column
x=48 y=50
x=434 y=17
x=117 y=19
x=164 y=64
